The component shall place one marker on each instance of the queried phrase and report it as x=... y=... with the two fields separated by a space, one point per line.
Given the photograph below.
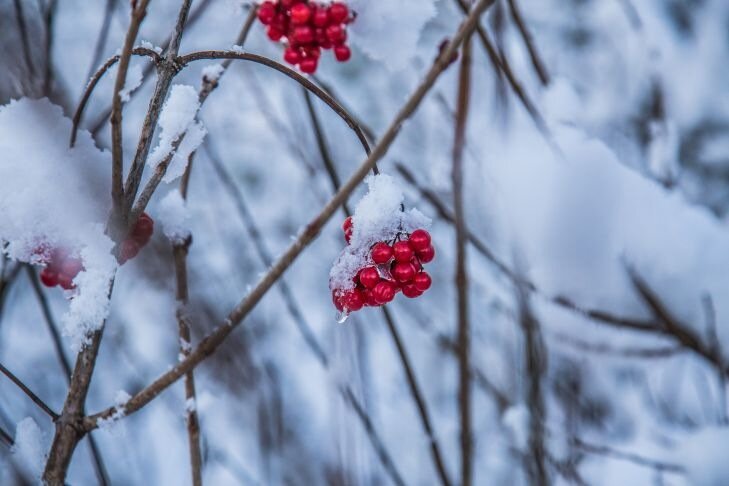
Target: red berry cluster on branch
x=61 y=267
x=307 y=28
x=395 y=265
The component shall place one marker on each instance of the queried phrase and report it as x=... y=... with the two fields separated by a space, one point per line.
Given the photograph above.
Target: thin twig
x=102 y=37
x=25 y=41
x=211 y=342
x=710 y=315
x=461 y=275
x=139 y=11
x=19 y=383
x=526 y=36
x=627 y=456
x=50 y=15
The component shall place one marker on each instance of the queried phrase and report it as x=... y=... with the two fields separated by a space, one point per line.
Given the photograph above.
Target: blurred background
x=596 y=169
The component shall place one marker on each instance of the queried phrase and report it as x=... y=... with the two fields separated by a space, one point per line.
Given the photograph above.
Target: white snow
x=30 y=447
x=149 y=45
x=176 y=119
x=389 y=31
x=377 y=217
x=212 y=72
x=133 y=81
x=516 y=422
x=174 y=216
x=52 y=196
x=703 y=454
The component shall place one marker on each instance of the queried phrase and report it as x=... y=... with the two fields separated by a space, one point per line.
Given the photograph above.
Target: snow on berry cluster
x=307 y=28
x=385 y=252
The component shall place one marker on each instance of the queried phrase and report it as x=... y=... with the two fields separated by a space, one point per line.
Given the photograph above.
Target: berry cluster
x=308 y=27
x=396 y=266
x=61 y=267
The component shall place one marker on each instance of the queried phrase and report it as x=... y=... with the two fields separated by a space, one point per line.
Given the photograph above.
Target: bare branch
x=627 y=456
x=19 y=383
x=211 y=342
x=537 y=62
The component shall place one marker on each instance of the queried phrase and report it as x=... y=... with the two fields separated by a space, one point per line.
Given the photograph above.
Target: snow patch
x=174 y=216
x=30 y=447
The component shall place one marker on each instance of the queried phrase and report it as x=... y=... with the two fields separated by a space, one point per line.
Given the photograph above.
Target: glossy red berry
x=342 y=53
x=381 y=253
x=422 y=281
x=336 y=34
x=347 y=225
x=411 y=291
x=338 y=12
x=292 y=56
x=426 y=255
x=303 y=34
x=300 y=14
x=320 y=17
x=369 y=297
x=71 y=267
x=66 y=281
x=402 y=251
x=288 y=3
x=384 y=292
x=48 y=277
x=348 y=300
x=369 y=277
x=266 y=12
x=419 y=239
x=128 y=250
x=308 y=65
x=403 y=272
x=274 y=33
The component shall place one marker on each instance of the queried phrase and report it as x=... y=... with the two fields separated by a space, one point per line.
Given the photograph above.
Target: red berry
x=274 y=33
x=303 y=34
x=308 y=65
x=49 y=277
x=381 y=253
x=342 y=53
x=338 y=13
x=402 y=251
x=384 y=292
x=143 y=229
x=266 y=12
x=427 y=254
x=369 y=277
x=71 y=267
x=411 y=291
x=313 y=51
x=336 y=34
x=66 y=281
x=291 y=56
x=419 y=239
x=350 y=300
x=288 y=3
x=129 y=249
x=422 y=281
x=300 y=14
x=369 y=297
x=320 y=17
x=347 y=225
x=403 y=272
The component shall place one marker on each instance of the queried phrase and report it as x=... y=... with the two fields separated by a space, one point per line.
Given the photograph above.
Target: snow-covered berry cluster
x=392 y=266
x=61 y=265
x=307 y=28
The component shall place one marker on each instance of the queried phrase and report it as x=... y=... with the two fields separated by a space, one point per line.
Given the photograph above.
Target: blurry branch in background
x=102 y=38
x=19 y=383
x=537 y=62
x=535 y=366
x=227 y=181
x=6 y=438
x=710 y=315
x=461 y=276
x=23 y=28
x=8 y=274
x=50 y=15
x=627 y=456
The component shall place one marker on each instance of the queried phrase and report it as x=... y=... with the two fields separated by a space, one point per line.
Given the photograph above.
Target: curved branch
x=137 y=51
x=212 y=341
x=184 y=60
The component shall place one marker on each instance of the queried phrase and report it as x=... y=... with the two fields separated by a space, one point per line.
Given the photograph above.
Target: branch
x=539 y=67
x=627 y=456
x=461 y=275
x=117 y=168
x=29 y=392
x=211 y=342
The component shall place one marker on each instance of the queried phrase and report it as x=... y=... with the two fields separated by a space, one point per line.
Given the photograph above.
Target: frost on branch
x=29 y=447
x=178 y=118
x=56 y=197
x=134 y=80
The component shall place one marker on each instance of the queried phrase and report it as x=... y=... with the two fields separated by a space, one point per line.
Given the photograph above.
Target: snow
x=149 y=45
x=382 y=25
x=174 y=216
x=178 y=119
x=212 y=72
x=52 y=196
x=377 y=217
x=30 y=447
x=516 y=422
x=703 y=454
x=133 y=81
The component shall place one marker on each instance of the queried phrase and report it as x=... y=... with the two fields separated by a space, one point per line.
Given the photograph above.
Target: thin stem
x=25 y=41
x=117 y=164
x=103 y=36
x=461 y=275
x=211 y=342
x=19 y=383
x=537 y=62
